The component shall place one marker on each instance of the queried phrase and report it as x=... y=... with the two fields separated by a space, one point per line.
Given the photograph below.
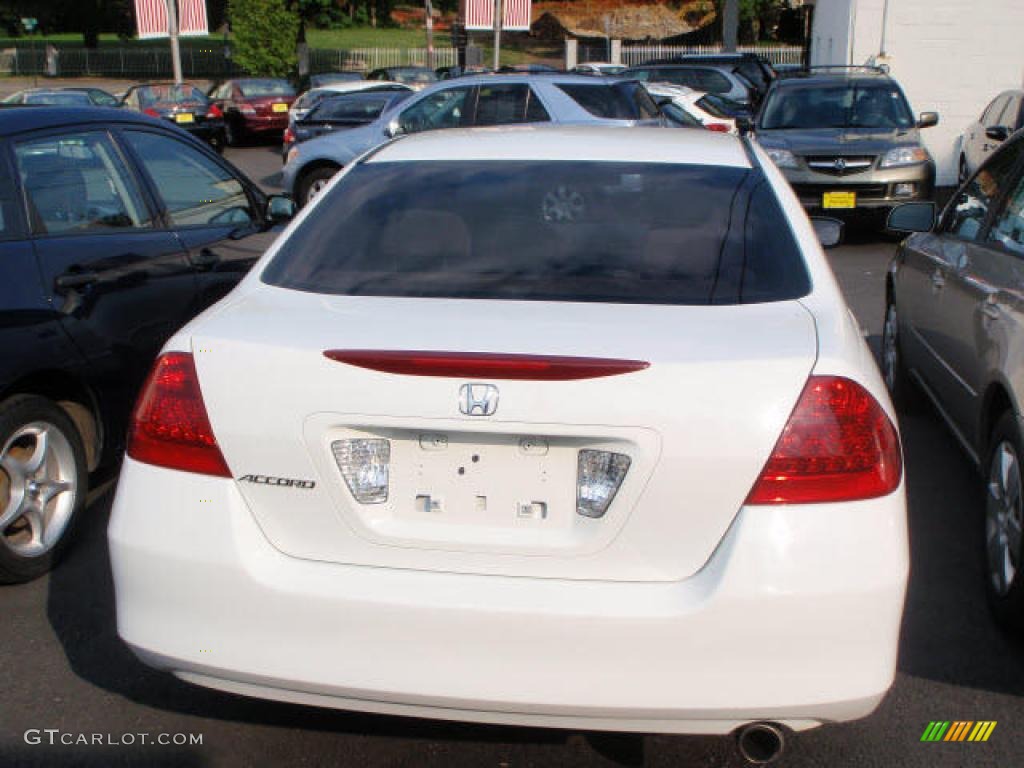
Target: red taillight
x=151 y=112
x=485 y=365
x=838 y=445
x=289 y=135
x=717 y=127
x=169 y=426
x=214 y=112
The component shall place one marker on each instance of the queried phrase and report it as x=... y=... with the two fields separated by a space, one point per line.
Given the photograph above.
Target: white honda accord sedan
x=562 y=427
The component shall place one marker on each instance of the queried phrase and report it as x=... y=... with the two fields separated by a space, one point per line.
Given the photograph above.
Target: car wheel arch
x=75 y=398
x=312 y=167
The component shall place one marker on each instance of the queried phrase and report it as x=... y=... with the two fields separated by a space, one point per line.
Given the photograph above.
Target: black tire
x=233 y=133
x=905 y=395
x=1005 y=595
x=24 y=419
x=312 y=180
x=217 y=141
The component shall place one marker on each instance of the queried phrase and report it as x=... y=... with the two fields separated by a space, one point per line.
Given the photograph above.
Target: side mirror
x=998 y=133
x=280 y=209
x=912 y=217
x=394 y=128
x=662 y=101
x=928 y=120
x=829 y=231
x=744 y=125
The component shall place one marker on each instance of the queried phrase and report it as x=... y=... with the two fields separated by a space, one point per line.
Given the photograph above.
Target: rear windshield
x=645 y=233
x=615 y=101
x=256 y=88
x=170 y=94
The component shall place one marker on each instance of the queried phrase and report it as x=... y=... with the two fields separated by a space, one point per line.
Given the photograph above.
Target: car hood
x=840 y=141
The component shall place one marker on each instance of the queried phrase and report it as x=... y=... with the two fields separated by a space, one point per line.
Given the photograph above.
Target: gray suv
x=847 y=141
x=482 y=100
x=954 y=325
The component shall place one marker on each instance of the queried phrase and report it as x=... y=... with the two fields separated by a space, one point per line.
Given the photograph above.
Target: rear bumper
x=795 y=619
x=265 y=123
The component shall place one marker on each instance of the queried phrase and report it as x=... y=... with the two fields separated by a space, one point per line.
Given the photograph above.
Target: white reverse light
x=364 y=463
x=598 y=477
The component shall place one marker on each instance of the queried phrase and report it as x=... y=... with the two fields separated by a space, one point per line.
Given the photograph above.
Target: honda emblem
x=478 y=399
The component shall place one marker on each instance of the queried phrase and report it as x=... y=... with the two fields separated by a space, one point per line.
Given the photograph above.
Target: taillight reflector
x=485 y=365
x=151 y=112
x=289 y=135
x=170 y=427
x=839 y=445
x=214 y=112
x=717 y=127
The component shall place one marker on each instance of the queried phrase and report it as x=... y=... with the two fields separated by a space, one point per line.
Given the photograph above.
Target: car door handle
x=938 y=279
x=72 y=281
x=205 y=259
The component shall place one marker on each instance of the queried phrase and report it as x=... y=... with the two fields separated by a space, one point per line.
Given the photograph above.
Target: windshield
x=61 y=99
x=838 y=106
x=413 y=75
x=170 y=94
x=251 y=88
x=646 y=233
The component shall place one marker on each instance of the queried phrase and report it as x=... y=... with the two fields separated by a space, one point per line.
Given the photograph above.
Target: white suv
x=564 y=427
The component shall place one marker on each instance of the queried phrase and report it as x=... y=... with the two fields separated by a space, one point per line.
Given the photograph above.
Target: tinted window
x=169 y=94
x=968 y=211
x=995 y=109
x=441 y=109
x=10 y=228
x=77 y=182
x=616 y=101
x=680 y=116
x=102 y=98
x=837 y=106
x=195 y=190
x=361 y=109
x=555 y=231
x=1008 y=228
x=59 y=99
x=255 y=88
x=503 y=104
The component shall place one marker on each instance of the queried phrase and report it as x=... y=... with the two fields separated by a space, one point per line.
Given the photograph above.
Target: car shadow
x=948 y=634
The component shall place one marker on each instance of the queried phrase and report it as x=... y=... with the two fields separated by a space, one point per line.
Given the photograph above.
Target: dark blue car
x=115 y=229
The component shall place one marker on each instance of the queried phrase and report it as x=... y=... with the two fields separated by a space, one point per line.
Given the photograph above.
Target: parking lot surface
x=66 y=672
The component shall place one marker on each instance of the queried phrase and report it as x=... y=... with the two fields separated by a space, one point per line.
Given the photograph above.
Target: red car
x=253 y=107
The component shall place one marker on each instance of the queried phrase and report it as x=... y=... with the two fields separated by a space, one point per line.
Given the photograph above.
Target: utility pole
x=730 y=24
x=172 y=29
x=498 y=13
x=429 y=10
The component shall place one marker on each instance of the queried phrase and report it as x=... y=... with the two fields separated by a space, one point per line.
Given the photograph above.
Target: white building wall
x=950 y=56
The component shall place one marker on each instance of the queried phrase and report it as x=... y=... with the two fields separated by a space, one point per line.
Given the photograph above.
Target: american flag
x=515 y=17
x=151 y=18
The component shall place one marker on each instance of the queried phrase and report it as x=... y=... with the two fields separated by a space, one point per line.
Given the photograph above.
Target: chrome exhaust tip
x=760 y=743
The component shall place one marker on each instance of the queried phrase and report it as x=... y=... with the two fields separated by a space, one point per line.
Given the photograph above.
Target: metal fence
x=776 y=54
x=326 y=60
x=211 y=62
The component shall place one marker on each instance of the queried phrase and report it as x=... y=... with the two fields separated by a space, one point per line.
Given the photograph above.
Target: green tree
x=264 y=34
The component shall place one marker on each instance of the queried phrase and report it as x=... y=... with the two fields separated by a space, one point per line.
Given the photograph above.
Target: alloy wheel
x=38 y=489
x=1003 y=518
x=315 y=188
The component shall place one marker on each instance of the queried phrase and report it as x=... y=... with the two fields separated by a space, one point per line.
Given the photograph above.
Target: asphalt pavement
x=66 y=672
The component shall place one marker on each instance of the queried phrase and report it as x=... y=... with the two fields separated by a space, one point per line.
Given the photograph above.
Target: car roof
x=530 y=77
x=42 y=117
x=843 y=77
x=552 y=143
